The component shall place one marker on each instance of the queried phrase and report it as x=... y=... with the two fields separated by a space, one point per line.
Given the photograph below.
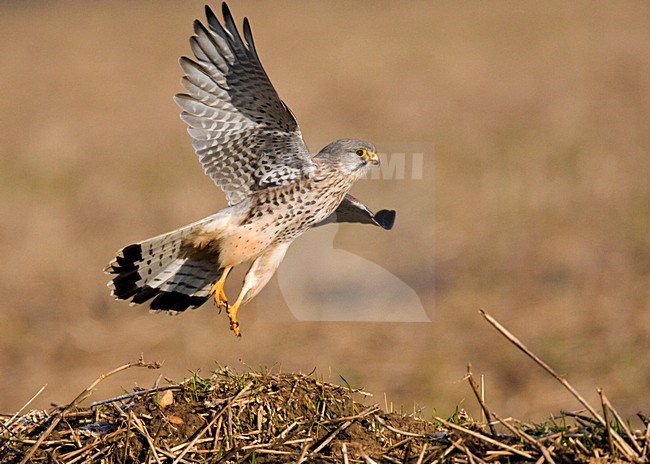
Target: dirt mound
x=261 y=417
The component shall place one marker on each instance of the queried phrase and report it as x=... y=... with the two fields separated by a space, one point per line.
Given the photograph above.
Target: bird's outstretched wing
x=244 y=135
x=352 y=210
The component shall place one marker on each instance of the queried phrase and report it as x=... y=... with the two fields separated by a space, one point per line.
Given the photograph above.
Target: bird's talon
x=219 y=295
x=234 y=326
x=222 y=305
x=232 y=317
x=217 y=291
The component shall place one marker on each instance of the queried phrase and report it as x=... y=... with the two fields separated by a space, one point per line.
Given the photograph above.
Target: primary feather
x=244 y=135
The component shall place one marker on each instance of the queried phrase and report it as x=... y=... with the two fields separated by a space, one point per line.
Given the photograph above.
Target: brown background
x=534 y=204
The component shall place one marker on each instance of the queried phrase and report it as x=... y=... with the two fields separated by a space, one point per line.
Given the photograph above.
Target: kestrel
x=249 y=143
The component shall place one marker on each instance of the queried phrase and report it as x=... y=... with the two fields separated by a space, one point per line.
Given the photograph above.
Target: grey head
x=349 y=156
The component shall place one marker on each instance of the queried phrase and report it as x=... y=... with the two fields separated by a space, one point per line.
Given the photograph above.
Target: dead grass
x=265 y=417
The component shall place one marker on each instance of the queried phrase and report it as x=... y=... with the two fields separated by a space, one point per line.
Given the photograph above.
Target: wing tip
x=180 y=99
x=225 y=10
x=386 y=218
x=209 y=14
x=248 y=36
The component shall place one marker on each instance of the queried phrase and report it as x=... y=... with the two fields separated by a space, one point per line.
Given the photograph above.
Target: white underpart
x=261 y=271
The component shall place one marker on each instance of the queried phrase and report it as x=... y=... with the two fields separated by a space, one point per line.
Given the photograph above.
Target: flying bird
x=250 y=145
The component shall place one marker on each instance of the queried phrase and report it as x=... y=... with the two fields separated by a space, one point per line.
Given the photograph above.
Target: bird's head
x=350 y=156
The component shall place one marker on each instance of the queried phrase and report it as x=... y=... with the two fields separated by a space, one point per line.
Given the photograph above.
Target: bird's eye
x=361 y=152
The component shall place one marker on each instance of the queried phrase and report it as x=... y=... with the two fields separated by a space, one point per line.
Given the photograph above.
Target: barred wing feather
x=246 y=138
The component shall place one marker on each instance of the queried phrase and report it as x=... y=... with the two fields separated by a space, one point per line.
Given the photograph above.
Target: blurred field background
x=534 y=205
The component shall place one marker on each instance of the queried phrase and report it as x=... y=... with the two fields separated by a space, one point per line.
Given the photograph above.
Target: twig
x=451 y=448
x=259 y=446
x=625 y=448
x=137 y=422
x=303 y=454
x=456 y=445
x=588 y=419
x=8 y=423
x=82 y=396
x=398 y=444
x=629 y=453
x=214 y=419
x=528 y=438
x=88 y=391
x=620 y=421
x=230 y=437
x=422 y=453
x=515 y=341
x=472 y=458
x=393 y=429
x=479 y=397
x=282 y=438
x=483 y=437
x=485 y=418
x=344 y=426
x=132 y=395
x=643 y=418
x=610 y=439
x=215 y=439
x=126 y=435
x=344 y=451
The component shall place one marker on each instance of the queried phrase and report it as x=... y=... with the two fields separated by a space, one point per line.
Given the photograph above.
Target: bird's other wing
x=246 y=138
x=352 y=210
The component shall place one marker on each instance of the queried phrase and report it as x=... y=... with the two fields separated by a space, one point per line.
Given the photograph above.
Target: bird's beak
x=373 y=158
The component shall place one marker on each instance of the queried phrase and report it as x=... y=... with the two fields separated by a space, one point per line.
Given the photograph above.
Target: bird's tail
x=158 y=269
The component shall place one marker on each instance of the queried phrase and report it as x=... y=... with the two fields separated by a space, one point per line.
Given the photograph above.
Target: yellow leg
x=256 y=278
x=232 y=315
x=217 y=290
